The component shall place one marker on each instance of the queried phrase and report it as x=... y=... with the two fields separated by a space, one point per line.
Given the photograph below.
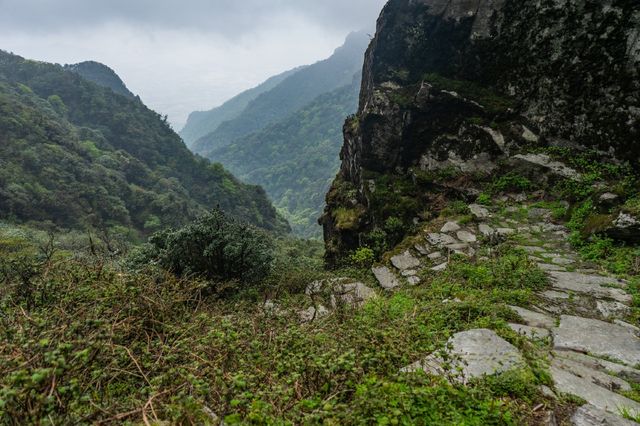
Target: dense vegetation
x=215 y=246
x=102 y=75
x=201 y=123
x=76 y=155
x=86 y=341
x=290 y=95
x=296 y=159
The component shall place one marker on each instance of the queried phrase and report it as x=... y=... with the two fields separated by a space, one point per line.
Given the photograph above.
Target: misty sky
x=184 y=55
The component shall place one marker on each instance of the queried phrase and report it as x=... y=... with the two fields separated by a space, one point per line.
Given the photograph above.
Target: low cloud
x=181 y=56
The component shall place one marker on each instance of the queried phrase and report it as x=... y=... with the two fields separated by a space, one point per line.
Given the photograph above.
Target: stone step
x=534 y=319
x=472 y=354
x=622 y=371
x=589 y=415
x=598 y=338
x=592 y=285
x=604 y=399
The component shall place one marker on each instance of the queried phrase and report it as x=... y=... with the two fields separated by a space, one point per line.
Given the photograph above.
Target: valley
x=438 y=224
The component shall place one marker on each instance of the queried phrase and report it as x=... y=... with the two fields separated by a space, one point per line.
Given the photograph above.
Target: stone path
x=594 y=354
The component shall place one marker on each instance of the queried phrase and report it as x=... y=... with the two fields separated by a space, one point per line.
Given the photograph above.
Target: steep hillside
x=102 y=75
x=201 y=123
x=296 y=159
x=79 y=155
x=457 y=94
x=291 y=94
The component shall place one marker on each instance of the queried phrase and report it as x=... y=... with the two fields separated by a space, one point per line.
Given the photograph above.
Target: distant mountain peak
x=102 y=75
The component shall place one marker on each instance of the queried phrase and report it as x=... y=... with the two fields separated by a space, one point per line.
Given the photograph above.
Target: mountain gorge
x=291 y=94
x=202 y=123
x=78 y=155
x=481 y=256
x=287 y=138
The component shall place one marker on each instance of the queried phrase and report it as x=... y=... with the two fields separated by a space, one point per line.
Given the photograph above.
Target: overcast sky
x=184 y=55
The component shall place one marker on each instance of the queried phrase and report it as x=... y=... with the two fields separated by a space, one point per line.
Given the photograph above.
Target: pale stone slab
x=385 y=277
x=422 y=249
x=405 y=261
x=473 y=353
x=612 y=309
x=589 y=415
x=598 y=338
x=556 y=295
x=440 y=267
x=505 y=231
x=530 y=332
x=413 y=280
x=478 y=211
x=440 y=240
x=486 y=230
x=604 y=399
x=551 y=268
x=593 y=285
x=450 y=227
x=355 y=294
x=434 y=256
x=622 y=371
x=534 y=319
x=596 y=377
x=313 y=313
x=466 y=237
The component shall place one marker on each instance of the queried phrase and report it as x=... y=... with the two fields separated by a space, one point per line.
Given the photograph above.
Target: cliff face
x=464 y=85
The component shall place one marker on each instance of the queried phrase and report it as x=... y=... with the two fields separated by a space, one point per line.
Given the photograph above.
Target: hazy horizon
x=183 y=56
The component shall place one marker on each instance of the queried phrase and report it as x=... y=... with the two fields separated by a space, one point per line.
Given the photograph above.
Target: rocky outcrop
x=464 y=86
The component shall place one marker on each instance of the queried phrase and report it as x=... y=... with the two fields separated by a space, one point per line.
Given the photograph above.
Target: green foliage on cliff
x=489 y=99
x=77 y=155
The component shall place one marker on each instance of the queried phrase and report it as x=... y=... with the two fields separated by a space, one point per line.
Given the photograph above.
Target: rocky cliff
x=457 y=92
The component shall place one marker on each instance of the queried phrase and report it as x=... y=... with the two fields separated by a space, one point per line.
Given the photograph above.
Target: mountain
x=102 y=75
x=291 y=94
x=296 y=159
x=459 y=94
x=201 y=123
x=79 y=155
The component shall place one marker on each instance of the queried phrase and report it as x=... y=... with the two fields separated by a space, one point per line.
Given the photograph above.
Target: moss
x=347 y=219
x=596 y=224
x=490 y=99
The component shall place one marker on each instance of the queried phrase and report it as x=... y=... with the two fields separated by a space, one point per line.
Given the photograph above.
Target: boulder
x=405 y=261
x=354 y=294
x=385 y=277
x=440 y=240
x=450 y=227
x=479 y=211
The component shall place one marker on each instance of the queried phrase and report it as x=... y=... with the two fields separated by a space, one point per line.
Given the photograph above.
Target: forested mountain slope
x=78 y=155
x=290 y=95
x=296 y=159
x=201 y=123
x=102 y=75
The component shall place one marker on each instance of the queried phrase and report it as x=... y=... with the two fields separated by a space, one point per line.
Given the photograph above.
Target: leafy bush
x=511 y=182
x=215 y=247
x=362 y=257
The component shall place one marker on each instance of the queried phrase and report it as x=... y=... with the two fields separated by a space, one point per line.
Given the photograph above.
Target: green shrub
x=215 y=247
x=511 y=182
x=362 y=257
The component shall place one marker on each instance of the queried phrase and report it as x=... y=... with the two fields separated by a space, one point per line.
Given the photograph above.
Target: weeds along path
x=581 y=318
